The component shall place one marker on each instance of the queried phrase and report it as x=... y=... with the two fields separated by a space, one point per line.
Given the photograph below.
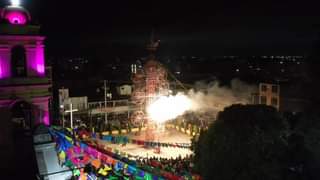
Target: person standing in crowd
x=62 y=158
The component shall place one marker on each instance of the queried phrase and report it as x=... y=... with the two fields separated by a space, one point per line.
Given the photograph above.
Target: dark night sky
x=121 y=27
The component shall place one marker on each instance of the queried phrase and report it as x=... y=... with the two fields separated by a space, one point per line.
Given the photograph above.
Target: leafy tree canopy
x=245 y=142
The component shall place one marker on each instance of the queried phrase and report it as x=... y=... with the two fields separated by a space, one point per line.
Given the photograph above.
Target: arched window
x=18 y=62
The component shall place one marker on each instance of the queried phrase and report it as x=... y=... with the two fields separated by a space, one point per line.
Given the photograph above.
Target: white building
x=124 y=90
x=269 y=94
x=80 y=103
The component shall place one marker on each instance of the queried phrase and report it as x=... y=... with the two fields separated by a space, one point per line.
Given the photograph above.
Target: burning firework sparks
x=169 y=107
x=213 y=98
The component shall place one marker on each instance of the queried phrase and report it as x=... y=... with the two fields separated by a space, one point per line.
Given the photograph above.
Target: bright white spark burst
x=168 y=107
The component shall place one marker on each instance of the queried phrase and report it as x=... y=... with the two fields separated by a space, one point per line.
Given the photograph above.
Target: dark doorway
x=18 y=62
x=22 y=116
x=22 y=139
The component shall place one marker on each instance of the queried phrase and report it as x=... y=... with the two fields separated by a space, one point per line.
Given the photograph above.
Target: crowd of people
x=98 y=172
x=170 y=168
x=178 y=167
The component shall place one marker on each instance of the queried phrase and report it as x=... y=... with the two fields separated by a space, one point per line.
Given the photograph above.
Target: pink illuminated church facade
x=24 y=84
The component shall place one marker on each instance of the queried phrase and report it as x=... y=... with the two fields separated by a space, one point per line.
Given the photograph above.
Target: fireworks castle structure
x=24 y=85
x=149 y=83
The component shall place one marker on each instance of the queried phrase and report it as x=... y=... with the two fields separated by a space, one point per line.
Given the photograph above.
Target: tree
x=304 y=149
x=245 y=142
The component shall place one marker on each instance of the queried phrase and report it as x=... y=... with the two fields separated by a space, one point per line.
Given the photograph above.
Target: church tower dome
x=15 y=14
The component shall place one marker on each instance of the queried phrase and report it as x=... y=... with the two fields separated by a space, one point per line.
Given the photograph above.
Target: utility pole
x=71 y=117
x=63 y=117
x=105 y=102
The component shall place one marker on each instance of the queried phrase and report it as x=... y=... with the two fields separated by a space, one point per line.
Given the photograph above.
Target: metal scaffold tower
x=149 y=83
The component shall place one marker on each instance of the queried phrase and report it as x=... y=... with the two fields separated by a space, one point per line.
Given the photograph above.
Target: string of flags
x=147 y=168
x=80 y=153
x=125 y=140
x=89 y=154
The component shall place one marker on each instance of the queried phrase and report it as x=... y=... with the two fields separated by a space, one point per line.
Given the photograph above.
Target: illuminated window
x=275 y=89
x=274 y=102
x=263 y=100
x=263 y=88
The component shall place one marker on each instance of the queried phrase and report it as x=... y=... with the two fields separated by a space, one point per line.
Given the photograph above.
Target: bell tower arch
x=22 y=64
x=18 y=61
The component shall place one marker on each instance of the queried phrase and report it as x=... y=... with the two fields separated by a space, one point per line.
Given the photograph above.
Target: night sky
x=122 y=27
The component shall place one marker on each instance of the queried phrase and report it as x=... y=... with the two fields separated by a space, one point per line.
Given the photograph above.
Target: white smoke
x=215 y=97
x=205 y=101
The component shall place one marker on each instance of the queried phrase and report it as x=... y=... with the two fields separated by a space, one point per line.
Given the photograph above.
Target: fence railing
x=101 y=104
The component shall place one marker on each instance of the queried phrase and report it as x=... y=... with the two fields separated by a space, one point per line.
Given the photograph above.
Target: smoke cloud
x=210 y=98
x=214 y=97
x=203 y=102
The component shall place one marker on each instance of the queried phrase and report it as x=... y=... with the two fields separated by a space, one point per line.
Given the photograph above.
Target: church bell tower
x=24 y=86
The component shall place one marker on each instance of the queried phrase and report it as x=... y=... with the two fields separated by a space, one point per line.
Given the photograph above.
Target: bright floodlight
x=15 y=2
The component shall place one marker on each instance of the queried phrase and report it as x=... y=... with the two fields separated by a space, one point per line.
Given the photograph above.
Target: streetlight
x=62 y=109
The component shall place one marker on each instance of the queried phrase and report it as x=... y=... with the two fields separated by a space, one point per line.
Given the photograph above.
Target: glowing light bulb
x=15 y=2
